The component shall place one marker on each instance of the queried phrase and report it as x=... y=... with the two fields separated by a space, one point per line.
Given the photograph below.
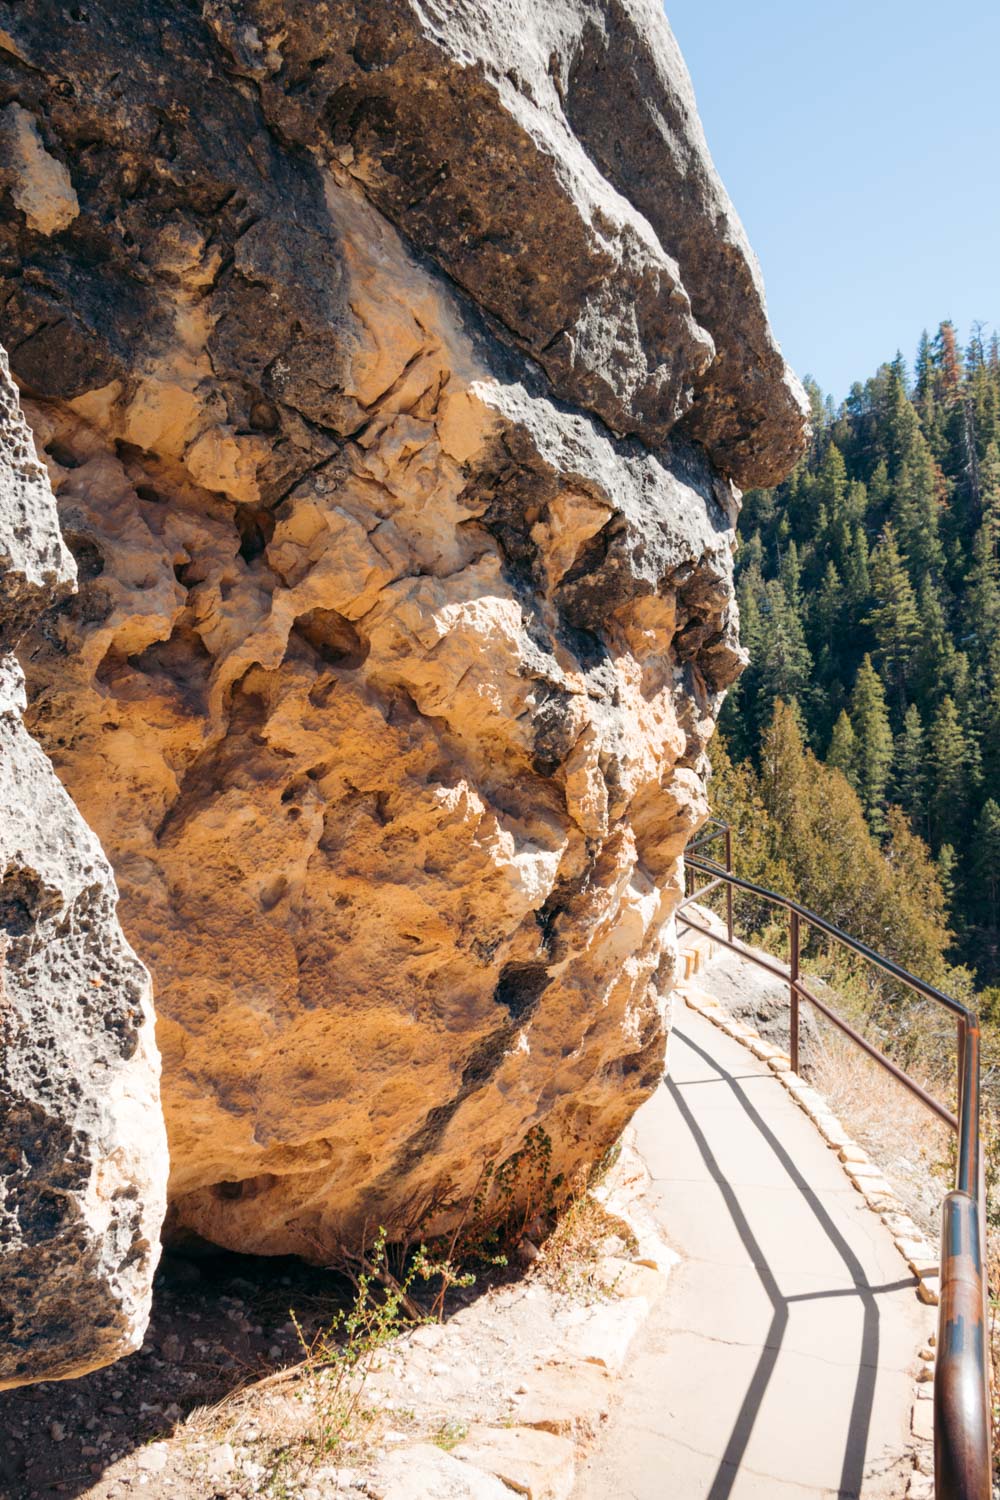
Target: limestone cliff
x=83 y=1162
x=394 y=365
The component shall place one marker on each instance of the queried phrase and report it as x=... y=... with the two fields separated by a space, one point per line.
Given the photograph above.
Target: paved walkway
x=780 y=1362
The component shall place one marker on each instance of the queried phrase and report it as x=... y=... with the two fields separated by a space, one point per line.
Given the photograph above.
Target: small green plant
x=524 y=1176
x=340 y=1357
x=507 y=1200
x=600 y=1170
x=450 y=1434
x=436 y=1264
x=280 y=1481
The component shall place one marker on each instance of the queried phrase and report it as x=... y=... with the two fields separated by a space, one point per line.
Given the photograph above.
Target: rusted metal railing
x=962 y=1458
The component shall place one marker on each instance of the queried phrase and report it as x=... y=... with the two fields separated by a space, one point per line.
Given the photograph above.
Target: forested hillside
x=869 y=589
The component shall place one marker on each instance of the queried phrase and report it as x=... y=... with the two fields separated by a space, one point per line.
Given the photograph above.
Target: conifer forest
x=859 y=755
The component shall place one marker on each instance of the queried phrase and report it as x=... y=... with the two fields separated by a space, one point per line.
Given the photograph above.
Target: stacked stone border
x=571 y=1358
x=868 y=1179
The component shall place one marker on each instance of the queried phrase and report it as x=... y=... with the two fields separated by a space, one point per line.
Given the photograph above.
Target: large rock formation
x=83 y=1161
x=394 y=365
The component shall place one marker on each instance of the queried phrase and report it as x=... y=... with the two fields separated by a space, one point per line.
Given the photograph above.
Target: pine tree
x=736 y=799
x=831 y=483
x=790 y=573
x=843 y=749
x=915 y=510
x=990 y=734
x=975 y=353
x=893 y=616
x=782 y=767
x=923 y=369
x=989 y=474
x=899 y=429
x=946 y=864
x=828 y=605
x=910 y=777
x=922 y=899
x=948 y=359
x=969 y=710
x=783 y=657
x=873 y=742
x=947 y=754
x=932 y=665
x=986 y=873
x=879 y=492
x=854 y=565
x=983 y=591
x=817 y=407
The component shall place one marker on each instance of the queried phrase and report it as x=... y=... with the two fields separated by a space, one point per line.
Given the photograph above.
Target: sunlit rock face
x=83 y=1160
x=394 y=366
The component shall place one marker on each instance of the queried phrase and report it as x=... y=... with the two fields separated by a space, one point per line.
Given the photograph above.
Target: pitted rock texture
x=406 y=610
x=36 y=569
x=83 y=1161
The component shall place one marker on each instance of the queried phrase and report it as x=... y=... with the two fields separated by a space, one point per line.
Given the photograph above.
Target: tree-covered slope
x=869 y=588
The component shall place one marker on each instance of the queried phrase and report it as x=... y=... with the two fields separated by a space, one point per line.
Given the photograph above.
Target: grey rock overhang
x=564 y=182
x=670 y=530
x=548 y=158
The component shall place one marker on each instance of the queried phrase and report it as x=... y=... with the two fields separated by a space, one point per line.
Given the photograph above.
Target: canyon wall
x=395 y=367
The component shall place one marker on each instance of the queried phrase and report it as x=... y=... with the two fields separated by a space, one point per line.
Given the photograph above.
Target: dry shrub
x=914 y=1149
x=584 y=1235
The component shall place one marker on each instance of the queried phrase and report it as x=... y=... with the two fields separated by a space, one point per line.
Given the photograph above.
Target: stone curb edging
x=561 y=1404
x=864 y=1175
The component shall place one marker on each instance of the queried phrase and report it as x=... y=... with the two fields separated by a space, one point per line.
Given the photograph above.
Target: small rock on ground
x=424 y=1472
x=537 y=1464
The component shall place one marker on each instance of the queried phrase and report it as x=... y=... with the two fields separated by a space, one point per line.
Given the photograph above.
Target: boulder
x=395 y=382
x=83 y=1162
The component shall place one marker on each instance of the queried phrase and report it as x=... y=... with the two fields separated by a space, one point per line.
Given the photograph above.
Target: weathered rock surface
x=394 y=432
x=83 y=1162
x=551 y=160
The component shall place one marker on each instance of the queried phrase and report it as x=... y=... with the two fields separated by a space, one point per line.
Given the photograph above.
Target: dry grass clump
x=912 y=1146
x=574 y=1258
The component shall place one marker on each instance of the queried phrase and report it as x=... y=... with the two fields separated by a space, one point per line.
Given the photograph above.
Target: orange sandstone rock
x=406 y=607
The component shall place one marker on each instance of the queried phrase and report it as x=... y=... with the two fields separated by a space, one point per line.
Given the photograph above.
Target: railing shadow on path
x=962 y=1399
x=856 y=1438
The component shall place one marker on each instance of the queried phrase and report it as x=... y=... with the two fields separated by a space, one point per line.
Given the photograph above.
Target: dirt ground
x=221 y=1402
x=219 y=1323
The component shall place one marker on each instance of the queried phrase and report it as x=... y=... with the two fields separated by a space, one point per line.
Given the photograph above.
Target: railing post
x=729 y=889
x=793 y=992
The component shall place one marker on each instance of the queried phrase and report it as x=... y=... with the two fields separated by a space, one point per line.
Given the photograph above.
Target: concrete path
x=780 y=1363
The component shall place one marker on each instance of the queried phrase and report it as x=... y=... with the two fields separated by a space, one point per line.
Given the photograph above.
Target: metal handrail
x=962 y=1457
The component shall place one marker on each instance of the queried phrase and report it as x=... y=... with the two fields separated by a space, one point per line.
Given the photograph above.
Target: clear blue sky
x=860 y=142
